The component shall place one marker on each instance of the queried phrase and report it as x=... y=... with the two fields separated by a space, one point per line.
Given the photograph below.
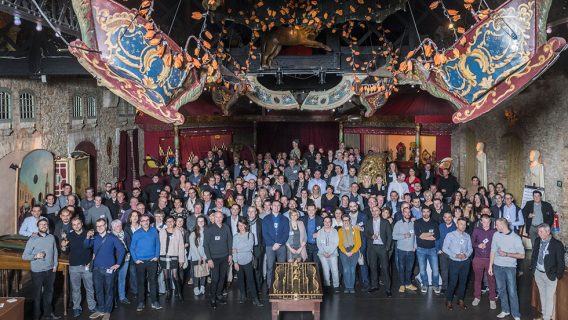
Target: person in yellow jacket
x=349 y=246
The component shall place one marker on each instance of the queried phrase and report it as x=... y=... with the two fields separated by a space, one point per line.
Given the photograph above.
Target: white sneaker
x=96 y=315
x=475 y=302
x=202 y=290
x=517 y=318
x=492 y=305
x=503 y=315
x=196 y=291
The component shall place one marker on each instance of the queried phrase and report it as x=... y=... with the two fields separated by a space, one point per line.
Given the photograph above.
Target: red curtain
x=198 y=145
x=443 y=146
x=276 y=137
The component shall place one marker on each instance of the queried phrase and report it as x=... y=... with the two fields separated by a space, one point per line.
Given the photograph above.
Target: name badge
x=323 y=241
x=431 y=230
x=159 y=190
x=361 y=224
x=295 y=171
x=291 y=233
x=507 y=217
x=87 y=268
x=217 y=238
x=462 y=241
x=102 y=216
x=485 y=240
x=109 y=270
x=275 y=225
x=318 y=227
x=545 y=252
x=411 y=231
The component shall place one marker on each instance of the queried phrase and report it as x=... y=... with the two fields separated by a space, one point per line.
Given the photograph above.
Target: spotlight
x=451 y=26
x=14 y=166
x=17 y=20
x=39 y=27
x=549 y=30
x=250 y=101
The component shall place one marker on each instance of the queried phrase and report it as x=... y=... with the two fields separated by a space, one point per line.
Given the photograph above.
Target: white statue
x=536 y=170
x=481 y=163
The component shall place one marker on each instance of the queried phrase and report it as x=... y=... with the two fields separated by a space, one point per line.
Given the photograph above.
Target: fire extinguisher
x=556 y=224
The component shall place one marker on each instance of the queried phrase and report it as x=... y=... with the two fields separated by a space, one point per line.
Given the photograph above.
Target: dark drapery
x=277 y=136
x=136 y=159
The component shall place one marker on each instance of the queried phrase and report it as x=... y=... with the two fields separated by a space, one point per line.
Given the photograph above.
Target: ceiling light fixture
x=17 y=20
x=39 y=27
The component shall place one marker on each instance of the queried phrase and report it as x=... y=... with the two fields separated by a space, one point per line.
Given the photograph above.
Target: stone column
x=254 y=138
x=341 y=131
x=417 y=156
x=176 y=143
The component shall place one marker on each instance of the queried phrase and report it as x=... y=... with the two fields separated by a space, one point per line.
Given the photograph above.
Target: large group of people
x=214 y=221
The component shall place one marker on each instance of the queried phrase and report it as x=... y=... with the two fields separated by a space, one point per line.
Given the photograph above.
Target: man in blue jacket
x=275 y=232
x=145 y=251
x=108 y=253
x=313 y=224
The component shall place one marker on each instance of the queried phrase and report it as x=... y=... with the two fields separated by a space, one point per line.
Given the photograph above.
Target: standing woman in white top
x=197 y=254
x=327 y=242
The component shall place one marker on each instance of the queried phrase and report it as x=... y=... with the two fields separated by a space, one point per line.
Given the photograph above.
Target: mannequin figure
x=295 y=153
x=536 y=170
x=481 y=163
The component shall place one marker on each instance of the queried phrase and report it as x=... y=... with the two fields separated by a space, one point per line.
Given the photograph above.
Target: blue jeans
x=364 y=269
x=431 y=257
x=122 y=272
x=506 y=278
x=104 y=289
x=405 y=266
x=133 y=281
x=349 y=264
x=271 y=258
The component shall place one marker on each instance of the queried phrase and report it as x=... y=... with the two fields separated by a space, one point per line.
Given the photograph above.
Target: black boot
x=168 y=290
x=178 y=294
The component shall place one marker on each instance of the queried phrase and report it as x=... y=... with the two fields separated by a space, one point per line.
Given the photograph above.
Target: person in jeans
x=427 y=232
x=145 y=251
x=445 y=227
x=218 y=244
x=349 y=246
x=328 y=241
x=125 y=239
x=275 y=232
x=457 y=245
x=506 y=248
x=79 y=270
x=481 y=239
x=548 y=267
x=197 y=254
x=403 y=233
x=243 y=245
x=41 y=250
x=108 y=254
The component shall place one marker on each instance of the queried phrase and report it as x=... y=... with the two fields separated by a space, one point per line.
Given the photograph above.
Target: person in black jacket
x=548 y=267
x=497 y=209
x=378 y=232
x=218 y=245
x=535 y=213
x=313 y=224
x=448 y=184
x=255 y=227
x=427 y=176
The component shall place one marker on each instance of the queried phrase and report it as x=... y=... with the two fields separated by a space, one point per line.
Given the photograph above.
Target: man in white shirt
x=399 y=185
x=29 y=226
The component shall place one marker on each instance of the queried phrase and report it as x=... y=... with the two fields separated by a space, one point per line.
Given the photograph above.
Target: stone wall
x=542 y=125
x=54 y=129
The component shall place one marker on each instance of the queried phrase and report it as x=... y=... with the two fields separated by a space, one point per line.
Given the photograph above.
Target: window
x=5 y=107
x=91 y=107
x=125 y=109
x=77 y=111
x=26 y=106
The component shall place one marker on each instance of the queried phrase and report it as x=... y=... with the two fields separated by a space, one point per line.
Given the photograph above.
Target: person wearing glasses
x=108 y=254
x=145 y=251
x=349 y=246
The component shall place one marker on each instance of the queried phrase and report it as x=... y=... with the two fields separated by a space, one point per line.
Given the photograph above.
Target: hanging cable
x=57 y=32
x=174 y=19
x=414 y=22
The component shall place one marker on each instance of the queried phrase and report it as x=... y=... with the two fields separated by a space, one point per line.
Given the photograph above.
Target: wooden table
x=12 y=260
x=13 y=310
x=296 y=287
x=561 y=303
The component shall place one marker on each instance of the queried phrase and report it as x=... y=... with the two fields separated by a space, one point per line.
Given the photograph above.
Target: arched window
x=91 y=107
x=27 y=107
x=5 y=105
x=77 y=110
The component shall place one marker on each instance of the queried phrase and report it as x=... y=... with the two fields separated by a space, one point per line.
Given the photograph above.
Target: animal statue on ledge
x=288 y=36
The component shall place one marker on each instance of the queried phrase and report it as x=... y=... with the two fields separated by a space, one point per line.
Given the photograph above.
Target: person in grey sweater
x=327 y=241
x=97 y=211
x=197 y=254
x=41 y=250
x=243 y=244
x=405 y=237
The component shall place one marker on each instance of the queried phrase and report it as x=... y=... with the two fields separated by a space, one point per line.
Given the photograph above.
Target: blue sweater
x=145 y=244
x=275 y=229
x=110 y=253
x=444 y=230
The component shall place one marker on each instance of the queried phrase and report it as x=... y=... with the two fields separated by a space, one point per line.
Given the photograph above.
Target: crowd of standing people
x=214 y=221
